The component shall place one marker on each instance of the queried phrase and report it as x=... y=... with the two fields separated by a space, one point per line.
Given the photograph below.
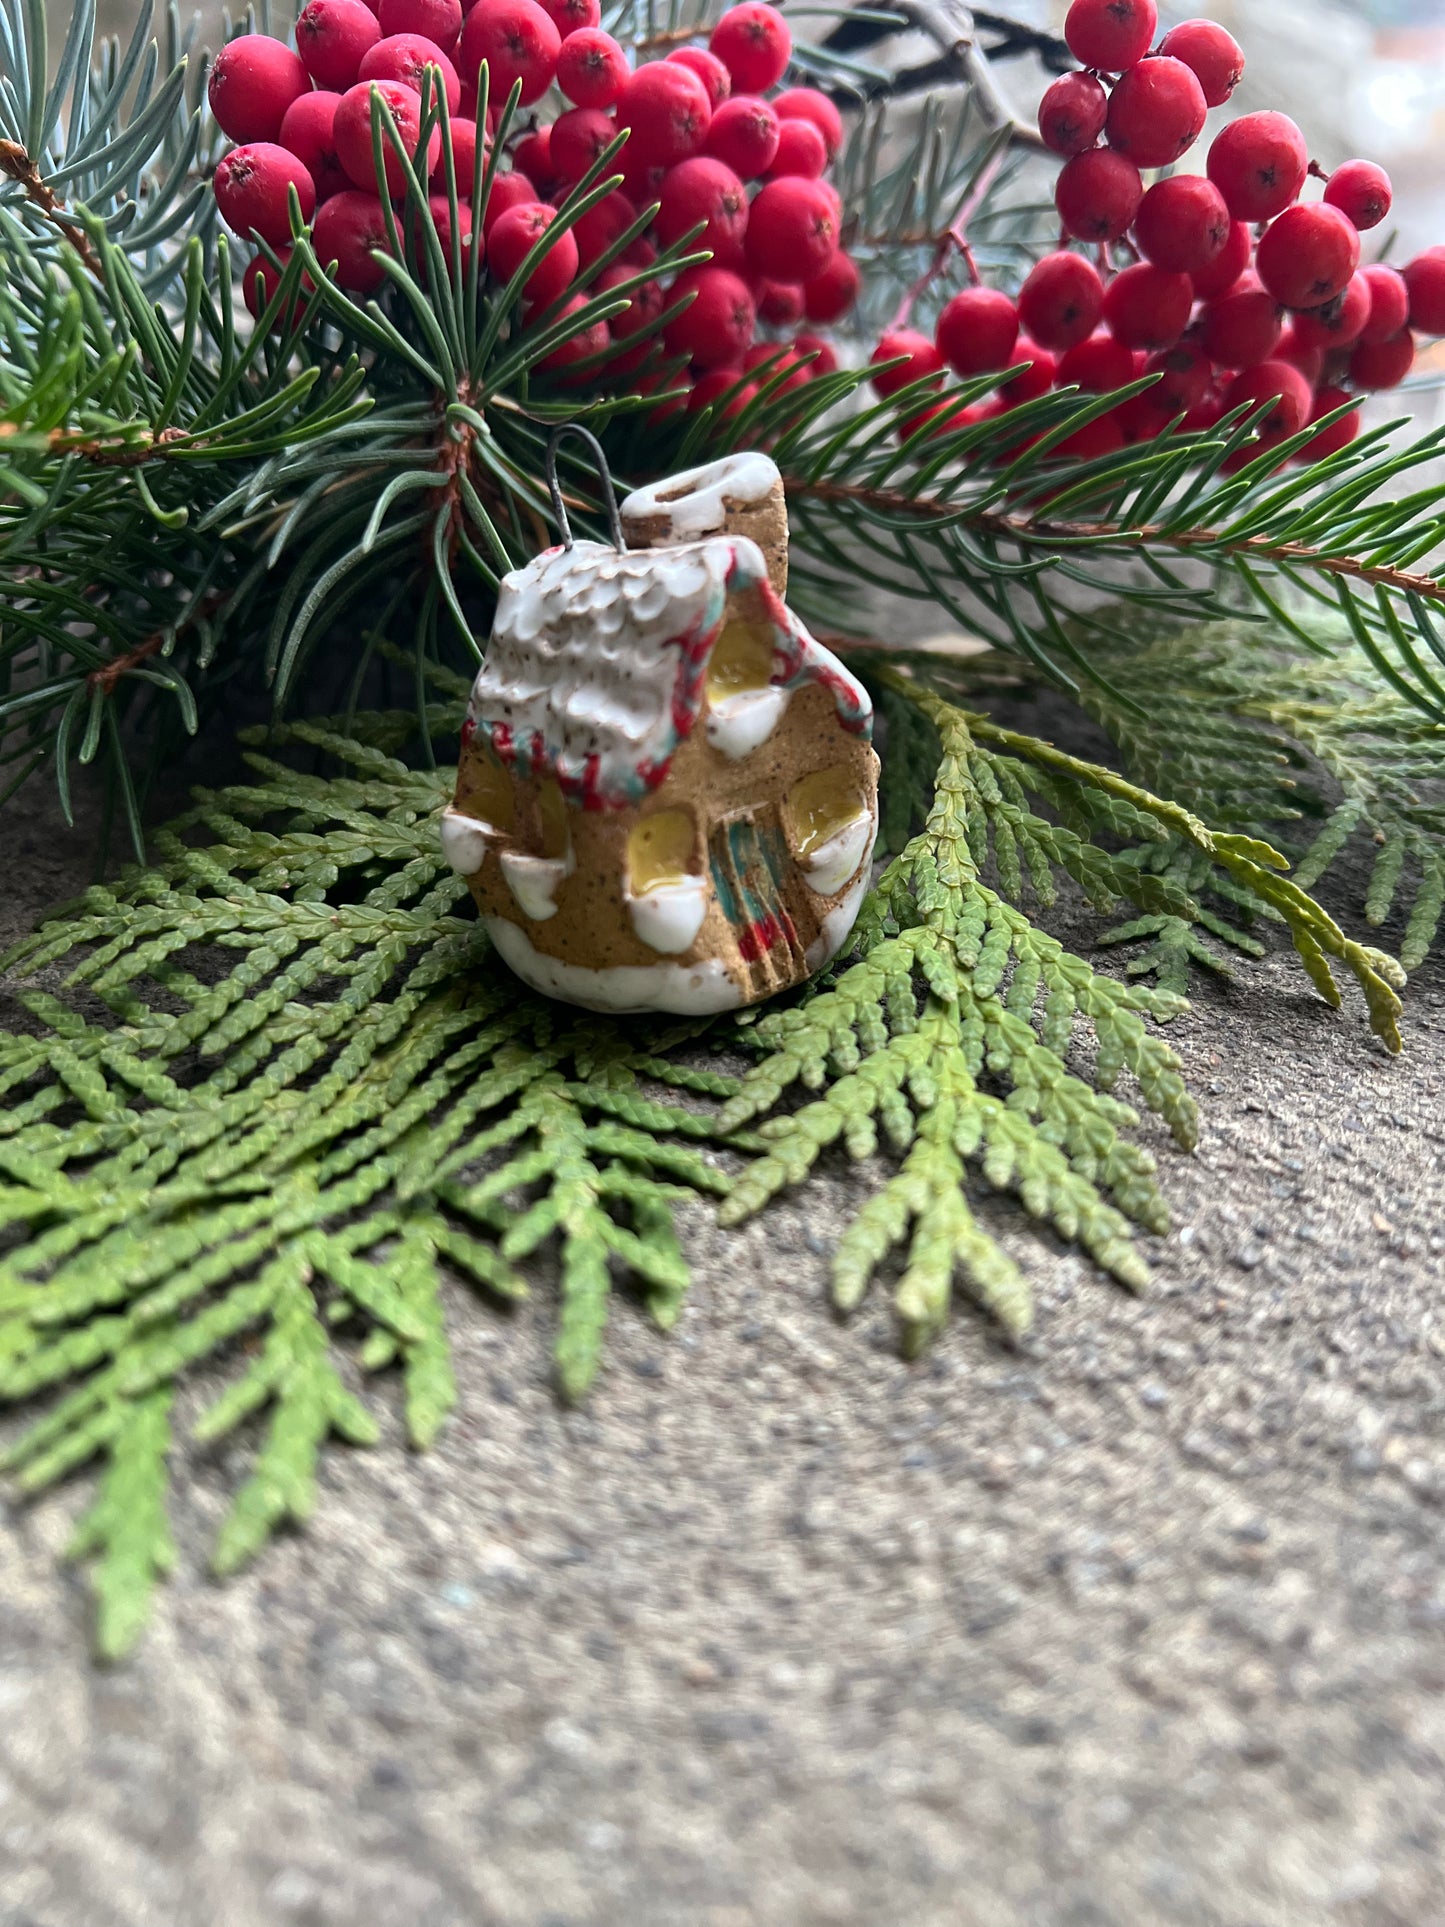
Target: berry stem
x=952 y=237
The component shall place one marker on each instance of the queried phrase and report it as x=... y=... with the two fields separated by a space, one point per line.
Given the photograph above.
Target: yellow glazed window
x=553 y=813
x=659 y=851
x=741 y=660
x=487 y=789
x=821 y=805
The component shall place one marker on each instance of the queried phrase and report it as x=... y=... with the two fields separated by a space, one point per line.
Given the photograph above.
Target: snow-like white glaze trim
x=688 y=990
x=668 y=917
x=464 y=842
x=738 y=724
x=837 y=927
x=533 y=881
x=832 y=863
x=695 y=499
x=587 y=651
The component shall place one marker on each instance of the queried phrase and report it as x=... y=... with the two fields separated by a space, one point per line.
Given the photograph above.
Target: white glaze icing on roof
x=595 y=670
x=587 y=651
x=693 y=501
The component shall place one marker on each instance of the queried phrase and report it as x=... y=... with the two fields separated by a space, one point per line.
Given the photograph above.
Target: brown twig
x=1031 y=532
x=17 y=165
x=109 y=674
x=116 y=455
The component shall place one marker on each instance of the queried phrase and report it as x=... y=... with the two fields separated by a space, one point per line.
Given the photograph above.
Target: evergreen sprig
x=251 y=490
x=287 y=1092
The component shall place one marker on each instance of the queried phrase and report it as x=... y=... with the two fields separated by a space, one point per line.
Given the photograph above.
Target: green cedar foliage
x=284 y=1091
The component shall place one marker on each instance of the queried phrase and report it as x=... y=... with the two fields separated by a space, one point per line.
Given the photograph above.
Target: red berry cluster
x=1226 y=285
x=711 y=140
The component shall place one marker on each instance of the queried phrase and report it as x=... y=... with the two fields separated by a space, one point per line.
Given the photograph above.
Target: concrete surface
x=1143 y=1623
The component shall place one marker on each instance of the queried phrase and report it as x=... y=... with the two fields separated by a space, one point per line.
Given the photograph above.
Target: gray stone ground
x=1142 y=1623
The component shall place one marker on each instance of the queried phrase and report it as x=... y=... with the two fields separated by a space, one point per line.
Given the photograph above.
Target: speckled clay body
x=667 y=797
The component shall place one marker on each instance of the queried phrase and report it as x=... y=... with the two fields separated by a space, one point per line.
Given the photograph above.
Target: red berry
x=711 y=387
x=637 y=323
x=1339 y=434
x=792 y=230
x=1277 y=382
x=832 y=292
x=439 y=21
x=821 y=354
x=592 y=69
x=1148 y=307
x=441 y=214
x=1361 y=191
x=745 y=133
x=578 y=137
x=753 y=42
x=1300 y=353
x=1184 y=375
x=255 y=79
x=1061 y=301
x=717 y=327
x=1037 y=369
x=1425 y=282
x=1307 y=256
x=1102 y=436
x=533 y=154
x=1182 y=224
x=801 y=151
x=943 y=418
x=251 y=191
x=308 y=130
x=353 y=133
x=702 y=189
x=568 y=16
x=1156 y=112
x=1072 y=114
x=1339 y=322
x=1389 y=304
x=667 y=108
x=717 y=81
x=977 y=331
x=1215 y=57
x=1383 y=364
x=259 y=282
x=1097 y=365
x=588 y=341
x=1243 y=327
x=331 y=37
x=923 y=360
x=518 y=40
x=806 y=103
x=602 y=225
x=1098 y=195
x=1222 y=274
x=511 y=237
x=779 y=303
x=464 y=157
x=795 y=371
x=347 y=229
x=507 y=191
x=1259 y=165
x=1110 y=34
x=406 y=57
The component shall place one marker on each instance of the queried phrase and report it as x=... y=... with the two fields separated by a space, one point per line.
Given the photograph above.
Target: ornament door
x=750 y=862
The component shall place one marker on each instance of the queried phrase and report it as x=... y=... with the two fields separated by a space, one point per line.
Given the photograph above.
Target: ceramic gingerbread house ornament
x=667 y=797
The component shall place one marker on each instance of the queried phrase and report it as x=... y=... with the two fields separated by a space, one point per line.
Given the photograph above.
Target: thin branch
x=1034 y=532
x=17 y=166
